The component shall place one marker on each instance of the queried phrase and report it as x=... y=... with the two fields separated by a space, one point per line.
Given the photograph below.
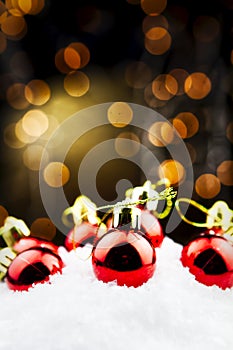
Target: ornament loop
x=12 y=230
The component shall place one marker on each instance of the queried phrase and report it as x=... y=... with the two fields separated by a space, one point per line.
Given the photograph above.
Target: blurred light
x=15 y=96
x=3 y=43
x=76 y=83
x=83 y=52
x=10 y=137
x=138 y=74
x=35 y=122
x=3 y=215
x=197 y=85
x=15 y=12
x=229 y=132
x=206 y=28
x=22 y=135
x=31 y=7
x=154 y=21
x=60 y=62
x=164 y=87
x=14 y=27
x=37 y=92
x=180 y=75
x=32 y=156
x=172 y=170
x=124 y=145
x=190 y=121
x=157 y=40
x=207 y=186
x=150 y=98
x=120 y=114
x=56 y=174
x=43 y=228
x=180 y=127
x=225 y=172
x=72 y=58
x=160 y=134
x=152 y=7
x=53 y=124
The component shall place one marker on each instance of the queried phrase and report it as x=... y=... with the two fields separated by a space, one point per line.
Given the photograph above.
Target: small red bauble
x=30 y=242
x=124 y=256
x=32 y=266
x=209 y=257
x=152 y=228
x=80 y=235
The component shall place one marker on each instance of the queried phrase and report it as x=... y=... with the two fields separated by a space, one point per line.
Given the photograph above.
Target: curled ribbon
x=219 y=215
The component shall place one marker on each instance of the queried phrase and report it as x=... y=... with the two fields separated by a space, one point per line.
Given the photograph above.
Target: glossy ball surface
x=81 y=235
x=30 y=242
x=126 y=257
x=209 y=258
x=32 y=266
x=150 y=225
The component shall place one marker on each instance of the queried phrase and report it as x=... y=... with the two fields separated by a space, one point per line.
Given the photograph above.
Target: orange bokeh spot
x=180 y=75
x=160 y=134
x=56 y=174
x=3 y=215
x=60 y=63
x=173 y=171
x=120 y=114
x=225 y=172
x=190 y=121
x=43 y=228
x=15 y=96
x=14 y=27
x=207 y=186
x=229 y=132
x=37 y=92
x=157 y=40
x=152 y=7
x=72 y=58
x=76 y=84
x=197 y=85
x=164 y=87
x=83 y=52
x=150 y=22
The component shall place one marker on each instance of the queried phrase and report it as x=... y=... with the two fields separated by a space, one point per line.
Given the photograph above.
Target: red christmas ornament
x=32 y=266
x=124 y=254
x=209 y=257
x=150 y=225
x=30 y=242
x=80 y=235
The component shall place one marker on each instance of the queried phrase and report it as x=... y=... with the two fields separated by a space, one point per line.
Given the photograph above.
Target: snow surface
x=171 y=311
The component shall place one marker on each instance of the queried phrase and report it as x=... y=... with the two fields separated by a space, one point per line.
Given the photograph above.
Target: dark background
x=119 y=39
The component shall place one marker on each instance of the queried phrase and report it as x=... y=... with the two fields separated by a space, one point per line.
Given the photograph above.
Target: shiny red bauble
x=150 y=225
x=32 y=266
x=29 y=242
x=80 y=235
x=209 y=257
x=124 y=256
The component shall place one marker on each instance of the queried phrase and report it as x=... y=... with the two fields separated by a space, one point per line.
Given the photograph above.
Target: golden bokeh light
x=3 y=215
x=35 y=122
x=207 y=186
x=56 y=174
x=22 y=135
x=206 y=28
x=32 y=156
x=72 y=58
x=150 y=98
x=43 y=228
x=160 y=134
x=3 y=43
x=83 y=52
x=150 y=22
x=138 y=74
x=10 y=137
x=15 y=96
x=30 y=7
x=76 y=83
x=14 y=27
x=225 y=172
x=180 y=75
x=172 y=170
x=60 y=62
x=120 y=114
x=180 y=127
x=190 y=121
x=164 y=87
x=157 y=40
x=197 y=85
x=37 y=92
x=127 y=144
x=152 y=7
x=229 y=132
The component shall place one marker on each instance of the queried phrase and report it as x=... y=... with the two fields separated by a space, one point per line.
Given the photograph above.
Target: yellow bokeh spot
x=56 y=174
x=37 y=92
x=161 y=133
x=76 y=83
x=173 y=171
x=35 y=122
x=207 y=185
x=197 y=85
x=120 y=114
x=10 y=137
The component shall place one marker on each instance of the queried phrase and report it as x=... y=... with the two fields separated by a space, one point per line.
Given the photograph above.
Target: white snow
x=171 y=311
